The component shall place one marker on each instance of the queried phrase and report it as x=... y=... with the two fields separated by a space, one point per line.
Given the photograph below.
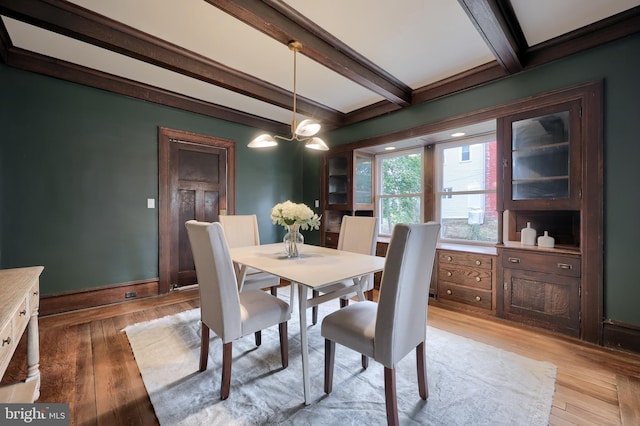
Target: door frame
x=166 y=136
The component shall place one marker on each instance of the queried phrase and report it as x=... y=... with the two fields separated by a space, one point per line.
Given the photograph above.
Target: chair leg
x=204 y=347
x=423 y=387
x=390 y=396
x=284 y=344
x=258 y=335
x=314 y=310
x=274 y=291
x=226 y=370
x=329 y=356
x=365 y=362
x=369 y=295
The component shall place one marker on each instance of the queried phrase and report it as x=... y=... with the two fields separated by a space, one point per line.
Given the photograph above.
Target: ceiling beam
x=283 y=23
x=35 y=62
x=5 y=42
x=498 y=26
x=73 y=21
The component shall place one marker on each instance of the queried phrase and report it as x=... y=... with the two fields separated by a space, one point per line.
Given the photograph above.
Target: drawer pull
x=478 y=262
x=449 y=292
x=514 y=259
x=449 y=273
x=478 y=298
x=449 y=258
x=23 y=312
x=478 y=279
x=35 y=293
x=6 y=341
x=564 y=266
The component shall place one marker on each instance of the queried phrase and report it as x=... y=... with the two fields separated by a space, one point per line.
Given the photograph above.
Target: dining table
x=315 y=268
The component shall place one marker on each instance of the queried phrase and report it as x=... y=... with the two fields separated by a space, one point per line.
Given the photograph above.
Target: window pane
x=402 y=174
x=475 y=174
x=398 y=210
x=470 y=217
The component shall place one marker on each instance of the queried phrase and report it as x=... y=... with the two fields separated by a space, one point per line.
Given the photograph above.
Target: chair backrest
x=219 y=298
x=401 y=322
x=240 y=230
x=358 y=234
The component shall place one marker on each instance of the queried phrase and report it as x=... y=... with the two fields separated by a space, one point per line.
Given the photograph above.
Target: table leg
x=302 y=308
x=33 y=353
x=360 y=282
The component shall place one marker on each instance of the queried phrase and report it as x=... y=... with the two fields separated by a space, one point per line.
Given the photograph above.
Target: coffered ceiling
x=361 y=58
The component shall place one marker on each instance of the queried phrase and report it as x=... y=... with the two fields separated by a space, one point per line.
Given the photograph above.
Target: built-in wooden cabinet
x=552 y=177
x=465 y=276
x=541 y=289
x=347 y=189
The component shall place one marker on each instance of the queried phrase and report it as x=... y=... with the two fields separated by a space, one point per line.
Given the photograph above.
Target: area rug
x=470 y=383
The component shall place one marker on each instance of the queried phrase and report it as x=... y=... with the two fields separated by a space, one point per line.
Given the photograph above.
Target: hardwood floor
x=86 y=361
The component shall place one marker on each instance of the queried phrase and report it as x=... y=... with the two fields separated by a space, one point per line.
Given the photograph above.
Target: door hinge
x=505 y=285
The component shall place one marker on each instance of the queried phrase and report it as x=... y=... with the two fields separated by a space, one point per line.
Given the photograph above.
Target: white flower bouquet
x=288 y=214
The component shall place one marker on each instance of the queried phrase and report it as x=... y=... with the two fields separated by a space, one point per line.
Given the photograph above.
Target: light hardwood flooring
x=86 y=361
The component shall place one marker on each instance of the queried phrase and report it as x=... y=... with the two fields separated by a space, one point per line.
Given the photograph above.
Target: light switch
x=317 y=203
x=151 y=203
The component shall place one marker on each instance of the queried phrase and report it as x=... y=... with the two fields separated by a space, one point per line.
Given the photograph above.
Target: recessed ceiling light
x=390 y=148
x=458 y=134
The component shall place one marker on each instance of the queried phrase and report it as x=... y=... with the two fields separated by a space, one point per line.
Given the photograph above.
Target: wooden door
x=196 y=182
x=198 y=187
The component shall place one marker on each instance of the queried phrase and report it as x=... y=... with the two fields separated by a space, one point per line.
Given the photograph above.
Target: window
x=399 y=189
x=466 y=190
x=465 y=153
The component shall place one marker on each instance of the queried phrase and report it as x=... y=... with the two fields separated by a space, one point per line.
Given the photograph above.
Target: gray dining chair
x=389 y=330
x=358 y=234
x=240 y=231
x=230 y=313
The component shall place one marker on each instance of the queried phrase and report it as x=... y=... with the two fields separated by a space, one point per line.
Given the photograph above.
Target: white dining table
x=315 y=268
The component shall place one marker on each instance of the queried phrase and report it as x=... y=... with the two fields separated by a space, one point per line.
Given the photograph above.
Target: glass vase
x=292 y=240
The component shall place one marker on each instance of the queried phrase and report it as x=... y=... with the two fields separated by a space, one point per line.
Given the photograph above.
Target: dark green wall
x=618 y=64
x=77 y=166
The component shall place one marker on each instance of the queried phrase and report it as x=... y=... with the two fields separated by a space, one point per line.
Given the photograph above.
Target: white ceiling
x=416 y=41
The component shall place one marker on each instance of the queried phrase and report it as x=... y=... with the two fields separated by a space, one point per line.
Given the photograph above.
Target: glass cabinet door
x=540 y=157
x=543 y=158
x=363 y=181
x=338 y=181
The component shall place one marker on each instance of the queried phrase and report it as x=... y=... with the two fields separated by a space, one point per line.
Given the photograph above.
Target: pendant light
x=305 y=131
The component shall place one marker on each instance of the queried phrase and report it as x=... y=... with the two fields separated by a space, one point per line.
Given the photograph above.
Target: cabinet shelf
x=541 y=179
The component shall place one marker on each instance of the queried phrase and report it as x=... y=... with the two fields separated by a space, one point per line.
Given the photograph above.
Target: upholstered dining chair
x=240 y=231
x=357 y=234
x=230 y=313
x=389 y=330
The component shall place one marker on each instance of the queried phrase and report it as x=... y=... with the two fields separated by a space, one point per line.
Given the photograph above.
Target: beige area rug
x=470 y=383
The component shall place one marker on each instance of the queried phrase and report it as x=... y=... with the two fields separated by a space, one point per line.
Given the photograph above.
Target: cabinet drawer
x=465 y=259
x=7 y=345
x=331 y=239
x=34 y=299
x=472 y=277
x=551 y=263
x=21 y=316
x=469 y=296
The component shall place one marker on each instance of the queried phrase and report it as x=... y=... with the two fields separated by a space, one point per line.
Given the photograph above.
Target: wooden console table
x=20 y=289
